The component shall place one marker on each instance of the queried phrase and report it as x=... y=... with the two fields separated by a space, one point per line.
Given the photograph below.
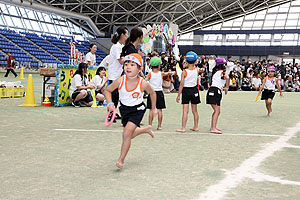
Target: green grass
x=39 y=162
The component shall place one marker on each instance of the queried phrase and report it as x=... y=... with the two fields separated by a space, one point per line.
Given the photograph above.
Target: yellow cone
x=22 y=74
x=29 y=98
x=94 y=99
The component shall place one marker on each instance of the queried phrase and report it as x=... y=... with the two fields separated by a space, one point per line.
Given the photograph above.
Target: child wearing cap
x=189 y=89
x=214 y=93
x=268 y=85
x=155 y=78
x=131 y=89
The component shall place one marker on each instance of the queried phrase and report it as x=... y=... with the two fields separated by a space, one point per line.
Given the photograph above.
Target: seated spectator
x=233 y=84
x=256 y=82
x=246 y=84
x=99 y=82
x=79 y=85
x=289 y=85
x=297 y=83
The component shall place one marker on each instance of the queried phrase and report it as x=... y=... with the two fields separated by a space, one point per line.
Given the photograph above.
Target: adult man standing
x=11 y=64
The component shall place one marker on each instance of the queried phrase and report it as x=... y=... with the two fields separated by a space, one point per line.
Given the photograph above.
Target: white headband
x=134 y=59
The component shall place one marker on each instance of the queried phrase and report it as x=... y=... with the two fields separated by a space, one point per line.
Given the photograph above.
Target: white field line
x=169 y=132
x=248 y=167
x=259 y=177
x=292 y=146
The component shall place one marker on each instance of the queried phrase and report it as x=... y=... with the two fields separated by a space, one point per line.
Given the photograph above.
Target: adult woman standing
x=135 y=38
x=115 y=61
x=91 y=55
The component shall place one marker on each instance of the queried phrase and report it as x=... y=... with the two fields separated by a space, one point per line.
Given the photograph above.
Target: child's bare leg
x=81 y=95
x=196 y=117
x=185 y=113
x=269 y=106
x=147 y=129
x=160 y=118
x=100 y=97
x=127 y=135
x=214 y=119
x=150 y=118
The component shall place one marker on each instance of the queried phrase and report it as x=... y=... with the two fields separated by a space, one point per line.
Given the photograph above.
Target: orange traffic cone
x=46 y=102
x=29 y=97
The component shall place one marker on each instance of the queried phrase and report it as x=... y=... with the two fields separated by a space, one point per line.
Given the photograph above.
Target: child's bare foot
x=159 y=128
x=215 y=131
x=119 y=164
x=194 y=129
x=142 y=124
x=149 y=131
x=219 y=129
x=180 y=130
x=269 y=114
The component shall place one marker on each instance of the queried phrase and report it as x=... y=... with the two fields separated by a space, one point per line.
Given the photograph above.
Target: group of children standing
x=131 y=86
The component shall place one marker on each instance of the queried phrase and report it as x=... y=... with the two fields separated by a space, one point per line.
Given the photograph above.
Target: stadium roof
x=189 y=15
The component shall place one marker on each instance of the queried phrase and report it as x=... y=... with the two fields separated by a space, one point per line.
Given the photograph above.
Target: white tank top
x=156 y=80
x=217 y=80
x=131 y=97
x=270 y=83
x=190 y=79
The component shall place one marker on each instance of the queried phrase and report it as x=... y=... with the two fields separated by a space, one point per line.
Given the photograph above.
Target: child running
x=214 y=93
x=131 y=91
x=189 y=89
x=268 y=85
x=155 y=78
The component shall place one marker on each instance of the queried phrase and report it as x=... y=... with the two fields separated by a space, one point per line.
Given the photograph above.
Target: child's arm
x=103 y=84
x=180 y=86
x=262 y=86
x=107 y=93
x=278 y=86
x=147 y=87
x=227 y=83
x=85 y=87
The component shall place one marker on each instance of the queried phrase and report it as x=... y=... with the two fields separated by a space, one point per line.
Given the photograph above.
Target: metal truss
x=189 y=15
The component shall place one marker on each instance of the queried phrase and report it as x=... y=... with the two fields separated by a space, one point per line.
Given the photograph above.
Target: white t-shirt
x=97 y=80
x=76 y=81
x=104 y=62
x=217 y=80
x=115 y=69
x=211 y=65
x=90 y=57
x=256 y=81
x=230 y=66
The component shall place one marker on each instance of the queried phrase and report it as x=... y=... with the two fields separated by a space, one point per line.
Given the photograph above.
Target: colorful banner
x=157 y=30
x=64 y=75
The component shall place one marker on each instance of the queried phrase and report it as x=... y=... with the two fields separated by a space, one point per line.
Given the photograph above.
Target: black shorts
x=267 y=94
x=190 y=94
x=214 y=96
x=87 y=99
x=132 y=114
x=160 y=100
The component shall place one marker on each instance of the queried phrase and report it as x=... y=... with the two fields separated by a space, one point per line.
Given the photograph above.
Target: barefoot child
x=268 y=85
x=155 y=78
x=214 y=93
x=131 y=91
x=189 y=89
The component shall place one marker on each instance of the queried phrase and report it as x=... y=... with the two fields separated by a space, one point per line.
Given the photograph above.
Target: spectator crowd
x=244 y=75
